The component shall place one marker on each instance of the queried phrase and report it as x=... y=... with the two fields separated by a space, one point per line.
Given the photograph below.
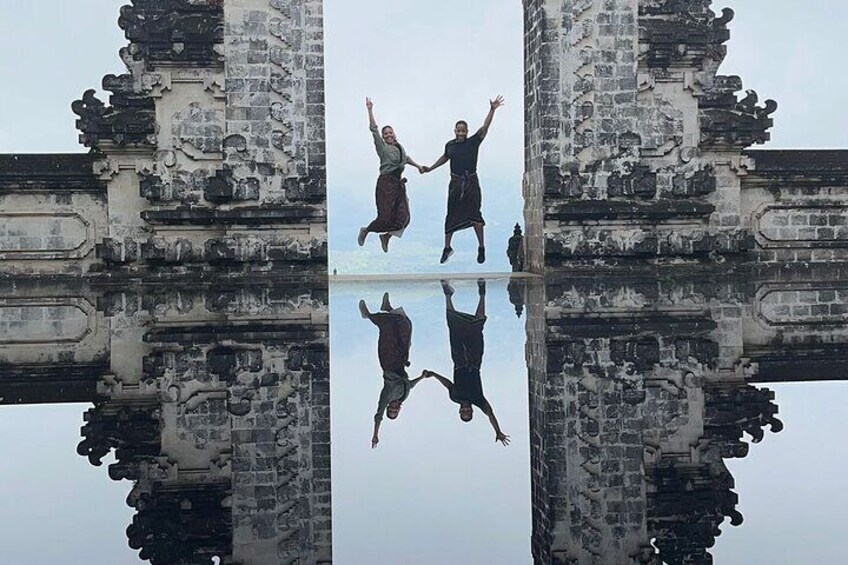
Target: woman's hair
x=383 y=130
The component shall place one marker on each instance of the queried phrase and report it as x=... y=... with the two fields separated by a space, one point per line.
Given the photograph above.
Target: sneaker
x=481 y=254
x=446 y=253
x=384 y=242
x=363 y=233
x=386 y=306
x=363 y=309
x=447 y=288
x=481 y=287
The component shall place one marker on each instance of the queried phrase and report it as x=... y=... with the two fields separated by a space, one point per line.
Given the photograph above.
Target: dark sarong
x=463 y=203
x=394 y=341
x=392 y=205
x=466 y=343
x=466 y=339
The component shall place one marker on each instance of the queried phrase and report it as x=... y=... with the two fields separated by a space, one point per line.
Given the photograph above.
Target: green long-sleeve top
x=396 y=386
x=392 y=157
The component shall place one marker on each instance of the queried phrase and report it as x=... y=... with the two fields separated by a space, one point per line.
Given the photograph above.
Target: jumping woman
x=392 y=202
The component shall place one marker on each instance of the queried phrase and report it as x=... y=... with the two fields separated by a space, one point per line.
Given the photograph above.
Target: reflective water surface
x=573 y=420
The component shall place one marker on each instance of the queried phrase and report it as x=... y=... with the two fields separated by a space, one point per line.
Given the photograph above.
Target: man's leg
x=481 y=302
x=448 y=290
x=478 y=231
x=481 y=246
x=447 y=251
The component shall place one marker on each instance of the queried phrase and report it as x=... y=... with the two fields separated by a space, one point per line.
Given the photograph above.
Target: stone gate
x=211 y=148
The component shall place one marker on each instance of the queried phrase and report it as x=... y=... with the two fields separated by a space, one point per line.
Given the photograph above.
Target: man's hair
x=463 y=122
x=383 y=130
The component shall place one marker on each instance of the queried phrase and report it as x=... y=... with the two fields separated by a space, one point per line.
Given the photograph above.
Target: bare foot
x=384 y=241
x=363 y=309
x=363 y=233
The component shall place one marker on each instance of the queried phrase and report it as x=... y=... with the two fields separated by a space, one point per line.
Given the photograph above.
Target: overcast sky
x=436 y=490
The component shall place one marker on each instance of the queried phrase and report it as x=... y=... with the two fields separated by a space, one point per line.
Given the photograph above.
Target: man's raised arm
x=493 y=105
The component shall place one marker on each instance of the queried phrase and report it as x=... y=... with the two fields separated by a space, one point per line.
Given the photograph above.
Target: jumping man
x=464 y=189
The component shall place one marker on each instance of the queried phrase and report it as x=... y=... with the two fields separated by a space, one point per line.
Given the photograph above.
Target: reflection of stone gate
x=214 y=398
x=641 y=388
x=211 y=148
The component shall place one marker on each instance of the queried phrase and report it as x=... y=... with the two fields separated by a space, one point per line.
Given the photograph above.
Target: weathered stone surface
x=216 y=129
x=633 y=143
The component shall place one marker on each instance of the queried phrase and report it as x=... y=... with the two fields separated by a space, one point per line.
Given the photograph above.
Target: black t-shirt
x=463 y=154
x=467 y=387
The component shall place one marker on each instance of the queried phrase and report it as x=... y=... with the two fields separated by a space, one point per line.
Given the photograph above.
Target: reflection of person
x=466 y=341
x=392 y=202
x=393 y=346
x=464 y=196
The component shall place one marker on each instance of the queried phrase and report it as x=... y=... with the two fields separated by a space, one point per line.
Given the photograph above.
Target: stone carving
x=130 y=120
x=728 y=122
x=682 y=33
x=171 y=31
x=186 y=525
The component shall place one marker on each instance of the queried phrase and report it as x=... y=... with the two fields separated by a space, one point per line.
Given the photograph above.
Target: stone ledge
x=797 y=166
x=59 y=172
x=248 y=215
x=589 y=210
x=248 y=333
x=42 y=384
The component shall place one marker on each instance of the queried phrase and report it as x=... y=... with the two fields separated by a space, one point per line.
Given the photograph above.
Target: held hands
x=424 y=169
x=502 y=437
x=496 y=103
x=426 y=373
x=368 y=103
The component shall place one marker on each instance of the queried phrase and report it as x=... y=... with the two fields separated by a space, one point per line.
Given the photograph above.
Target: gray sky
x=55 y=507
x=435 y=490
